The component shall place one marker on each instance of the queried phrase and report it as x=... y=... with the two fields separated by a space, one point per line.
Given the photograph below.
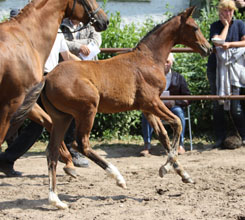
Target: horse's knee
x=177 y=126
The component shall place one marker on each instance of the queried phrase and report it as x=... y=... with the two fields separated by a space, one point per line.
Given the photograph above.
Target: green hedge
x=191 y=65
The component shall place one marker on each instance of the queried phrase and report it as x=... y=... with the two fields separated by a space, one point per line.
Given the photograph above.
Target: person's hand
x=226 y=45
x=240 y=3
x=223 y=19
x=84 y=50
x=169 y=103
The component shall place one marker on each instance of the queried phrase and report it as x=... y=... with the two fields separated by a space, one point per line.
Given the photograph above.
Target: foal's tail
x=21 y=114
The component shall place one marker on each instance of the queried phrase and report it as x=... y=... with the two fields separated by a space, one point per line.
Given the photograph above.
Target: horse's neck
x=160 y=42
x=40 y=22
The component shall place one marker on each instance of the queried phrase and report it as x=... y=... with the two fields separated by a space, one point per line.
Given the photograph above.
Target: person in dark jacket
x=175 y=85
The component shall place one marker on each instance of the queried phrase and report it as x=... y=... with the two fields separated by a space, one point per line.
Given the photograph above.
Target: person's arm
x=77 y=46
x=241 y=43
x=240 y=3
x=67 y=55
x=64 y=50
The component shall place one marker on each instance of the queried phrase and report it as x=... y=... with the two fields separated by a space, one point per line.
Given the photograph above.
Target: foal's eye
x=195 y=28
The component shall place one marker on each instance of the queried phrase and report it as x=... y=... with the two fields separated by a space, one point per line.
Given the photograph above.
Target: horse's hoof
x=55 y=201
x=122 y=184
x=187 y=180
x=163 y=170
x=70 y=171
x=62 y=205
x=59 y=205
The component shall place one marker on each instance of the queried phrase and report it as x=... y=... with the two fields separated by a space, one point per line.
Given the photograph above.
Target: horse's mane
x=34 y=3
x=153 y=30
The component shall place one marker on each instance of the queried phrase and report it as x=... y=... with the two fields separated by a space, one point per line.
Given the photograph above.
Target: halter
x=89 y=11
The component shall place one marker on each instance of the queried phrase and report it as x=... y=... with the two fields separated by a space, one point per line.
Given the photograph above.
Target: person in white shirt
x=59 y=47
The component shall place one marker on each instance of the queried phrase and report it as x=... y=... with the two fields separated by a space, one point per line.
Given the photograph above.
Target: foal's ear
x=188 y=12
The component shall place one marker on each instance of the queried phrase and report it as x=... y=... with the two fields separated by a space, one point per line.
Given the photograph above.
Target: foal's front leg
x=160 y=110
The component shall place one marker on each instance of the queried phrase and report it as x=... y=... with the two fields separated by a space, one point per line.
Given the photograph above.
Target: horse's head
x=88 y=11
x=191 y=35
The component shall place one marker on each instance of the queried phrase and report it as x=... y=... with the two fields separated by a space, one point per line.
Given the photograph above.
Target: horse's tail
x=21 y=114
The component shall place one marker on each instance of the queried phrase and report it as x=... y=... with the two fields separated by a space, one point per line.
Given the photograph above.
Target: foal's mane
x=153 y=30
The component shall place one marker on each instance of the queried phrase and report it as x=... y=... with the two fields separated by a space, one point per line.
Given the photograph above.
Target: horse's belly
x=115 y=105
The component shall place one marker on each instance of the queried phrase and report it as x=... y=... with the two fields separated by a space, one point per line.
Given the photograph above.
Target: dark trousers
x=237 y=111
x=219 y=121
x=70 y=134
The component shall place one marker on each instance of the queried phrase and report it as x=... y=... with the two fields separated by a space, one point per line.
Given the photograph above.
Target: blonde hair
x=230 y=4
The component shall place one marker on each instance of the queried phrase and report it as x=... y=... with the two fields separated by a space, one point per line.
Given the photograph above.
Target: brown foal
x=126 y=82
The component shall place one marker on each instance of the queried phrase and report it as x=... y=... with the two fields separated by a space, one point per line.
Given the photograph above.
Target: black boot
x=77 y=158
x=8 y=169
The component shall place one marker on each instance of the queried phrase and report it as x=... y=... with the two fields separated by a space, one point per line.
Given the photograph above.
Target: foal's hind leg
x=84 y=123
x=160 y=110
x=38 y=115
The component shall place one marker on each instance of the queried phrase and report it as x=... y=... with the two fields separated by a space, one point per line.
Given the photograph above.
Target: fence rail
x=203 y=97
x=121 y=50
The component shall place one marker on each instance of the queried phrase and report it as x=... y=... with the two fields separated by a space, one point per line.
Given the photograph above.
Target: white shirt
x=59 y=46
x=168 y=79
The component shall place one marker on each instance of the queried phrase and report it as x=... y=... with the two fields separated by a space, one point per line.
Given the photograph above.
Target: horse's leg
x=60 y=125
x=84 y=123
x=38 y=115
x=161 y=111
x=7 y=111
x=4 y=126
x=159 y=130
x=61 y=122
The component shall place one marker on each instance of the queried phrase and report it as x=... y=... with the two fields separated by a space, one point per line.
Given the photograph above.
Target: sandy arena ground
x=219 y=192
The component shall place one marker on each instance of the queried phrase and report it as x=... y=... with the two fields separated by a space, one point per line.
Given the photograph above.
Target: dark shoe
x=232 y=142
x=13 y=173
x=8 y=170
x=78 y=159
x=218 y=144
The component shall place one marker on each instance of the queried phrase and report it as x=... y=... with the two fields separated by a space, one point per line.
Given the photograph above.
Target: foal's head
x=88 y=11
x=191 y=35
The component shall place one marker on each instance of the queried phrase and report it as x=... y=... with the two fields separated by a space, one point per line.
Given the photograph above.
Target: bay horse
x=129 y=81
x=25 y=43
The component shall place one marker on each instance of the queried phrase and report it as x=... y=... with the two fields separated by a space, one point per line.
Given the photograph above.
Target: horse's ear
x=188 y=12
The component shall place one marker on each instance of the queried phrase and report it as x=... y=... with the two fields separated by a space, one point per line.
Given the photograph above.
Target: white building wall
x=139 y=11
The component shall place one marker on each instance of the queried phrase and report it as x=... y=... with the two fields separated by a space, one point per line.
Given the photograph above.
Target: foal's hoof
x=164 y=169
x=70 y=171
x=187 y=180
x=122 y=184
x=55 y=201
